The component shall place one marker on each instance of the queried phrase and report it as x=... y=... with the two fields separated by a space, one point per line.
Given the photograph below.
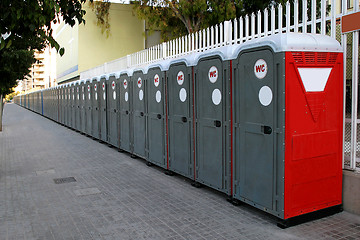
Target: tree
x=14 y=64
x=176 y=18
x=25 y=25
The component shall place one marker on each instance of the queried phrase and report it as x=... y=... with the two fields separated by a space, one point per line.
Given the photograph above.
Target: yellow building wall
x=67 y=65
x=126 y=37
x=86 y=47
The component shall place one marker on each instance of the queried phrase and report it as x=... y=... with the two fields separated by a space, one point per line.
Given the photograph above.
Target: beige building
x=42 y=73
x=86 y=47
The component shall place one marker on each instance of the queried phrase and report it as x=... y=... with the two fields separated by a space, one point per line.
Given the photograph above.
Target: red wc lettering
x=213 y=74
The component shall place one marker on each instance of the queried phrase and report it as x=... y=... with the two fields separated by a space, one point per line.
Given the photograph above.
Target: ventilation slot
x=298 y=57
x=332 y=58
x=321 y=58
x=310 y=58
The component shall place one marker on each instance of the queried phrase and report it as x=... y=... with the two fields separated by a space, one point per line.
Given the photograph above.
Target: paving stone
x=117 y=197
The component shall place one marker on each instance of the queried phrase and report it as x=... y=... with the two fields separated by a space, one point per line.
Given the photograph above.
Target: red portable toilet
x=288 y=123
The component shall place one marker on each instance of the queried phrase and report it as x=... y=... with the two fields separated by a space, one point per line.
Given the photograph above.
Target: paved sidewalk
x=117 y=197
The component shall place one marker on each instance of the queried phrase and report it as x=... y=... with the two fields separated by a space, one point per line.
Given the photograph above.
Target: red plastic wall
x=313 y=135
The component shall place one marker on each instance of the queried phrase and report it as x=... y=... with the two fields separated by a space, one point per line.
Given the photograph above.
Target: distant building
x=86 y=47
x=42 y=73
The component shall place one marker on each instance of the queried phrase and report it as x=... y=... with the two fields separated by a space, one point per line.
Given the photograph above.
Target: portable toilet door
x=82 y=107
x=156 y=130
x=62 y=105
x=66 y=105
x=95 y=109
x=125 y=115
x=212 y=123
x=56 y=90
x=139 y=114
x=69 y=105
x=73 y=103
x=180 y=123
x=88 y=108
x=113 y=85
x=77 y=106
x=102 y=109
x=256 y=103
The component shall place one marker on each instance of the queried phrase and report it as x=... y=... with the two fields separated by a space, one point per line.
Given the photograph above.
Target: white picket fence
x=263 y=23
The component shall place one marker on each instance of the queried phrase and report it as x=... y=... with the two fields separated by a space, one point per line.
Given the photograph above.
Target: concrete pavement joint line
x=45 y=172
x=86 y=191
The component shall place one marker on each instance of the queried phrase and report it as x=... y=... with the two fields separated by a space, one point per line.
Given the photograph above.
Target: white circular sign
x=113 y=85
x=141 y=95
x=125 y=83
x=156 y=80
x=96 y=96
x=265 y=96
x=182 y=94
x=114 y=95
x=126 y=96
x=216 y=96
x=260 y=68
x=104 y=95
x=180 y=78
x=139 y=82
x=83 y=96
x=103 y=86
x=158 y=96
x=213 y=74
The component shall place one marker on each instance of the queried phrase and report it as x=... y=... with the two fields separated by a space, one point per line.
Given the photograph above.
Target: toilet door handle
x=266 y=129
x=217 y=123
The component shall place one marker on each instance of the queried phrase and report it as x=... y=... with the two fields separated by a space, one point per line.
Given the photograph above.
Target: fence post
x=313 y=16
x=128 y=62
x=272 y=20
x=287 y=16
x=246 y=27
x=259 y=24
x=354 y=98
x=280 y=18
x=266 y=22
x=333 y=19
x=323 y=17
x=296 y=16
x=252 y=26
x=304 y=16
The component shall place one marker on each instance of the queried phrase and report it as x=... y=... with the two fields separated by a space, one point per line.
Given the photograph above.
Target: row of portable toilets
x=260 y=121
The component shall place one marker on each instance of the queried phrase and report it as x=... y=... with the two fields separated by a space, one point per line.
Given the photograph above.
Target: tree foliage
x=29 y=22
x=15 y=64
x=25 y=26
x=179 y=17
x=101 y=9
